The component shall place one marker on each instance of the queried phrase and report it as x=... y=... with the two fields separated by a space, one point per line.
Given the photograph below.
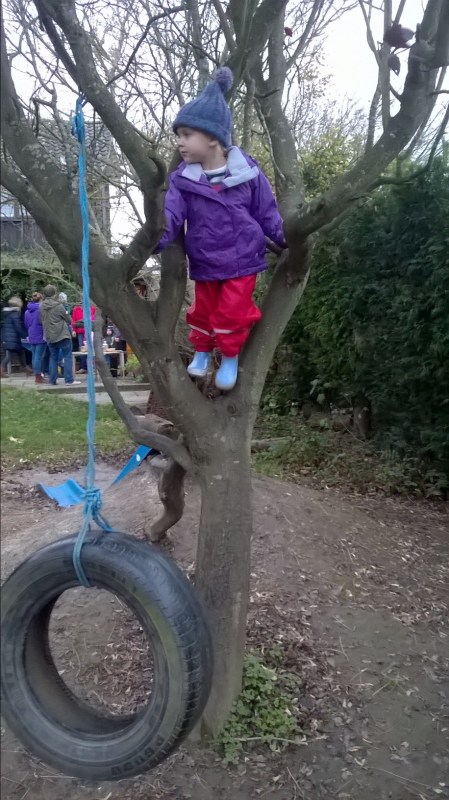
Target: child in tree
x=226 y=204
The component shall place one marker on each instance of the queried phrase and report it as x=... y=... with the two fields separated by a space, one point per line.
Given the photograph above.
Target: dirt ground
x=355 y=590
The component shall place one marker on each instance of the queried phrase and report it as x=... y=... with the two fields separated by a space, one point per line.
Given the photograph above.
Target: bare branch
x=372 y=117
x=224 y=25
x=173 y=73
x=139 y=435
x=441 y=48
x=369 y=34
x=98 y=95
x=57 y=42
x=384 y=69
x=430 y=105
x=399 y=11
x=387 y=180
x=142 y=38
x=198 y=49
x=248 y=113
x=253 y=36
x=306 y=35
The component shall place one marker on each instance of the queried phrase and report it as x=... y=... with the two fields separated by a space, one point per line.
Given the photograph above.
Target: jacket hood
x=33 y=307
x=240 y=168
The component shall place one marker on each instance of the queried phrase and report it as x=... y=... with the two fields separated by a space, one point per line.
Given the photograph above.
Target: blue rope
x=93 y=499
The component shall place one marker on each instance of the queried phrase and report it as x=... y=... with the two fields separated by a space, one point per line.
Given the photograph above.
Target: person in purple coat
x=226 y=206
x=35 y=333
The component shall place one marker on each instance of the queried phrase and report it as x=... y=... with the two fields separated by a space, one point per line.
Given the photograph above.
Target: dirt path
x=357 y=593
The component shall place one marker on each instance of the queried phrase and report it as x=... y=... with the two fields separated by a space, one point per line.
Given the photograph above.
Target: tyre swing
x=37 y=704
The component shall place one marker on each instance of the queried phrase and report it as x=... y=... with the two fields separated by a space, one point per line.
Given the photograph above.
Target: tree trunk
x=223 y=569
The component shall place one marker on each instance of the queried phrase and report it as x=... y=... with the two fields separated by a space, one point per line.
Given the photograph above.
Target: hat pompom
x=224 y=78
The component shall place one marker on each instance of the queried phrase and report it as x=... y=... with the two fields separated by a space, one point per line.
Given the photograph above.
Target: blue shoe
x=226 y=376
x=200 y=364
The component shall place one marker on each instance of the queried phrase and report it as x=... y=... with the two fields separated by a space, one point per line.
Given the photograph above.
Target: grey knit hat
x=209 y=112
x=49 y=290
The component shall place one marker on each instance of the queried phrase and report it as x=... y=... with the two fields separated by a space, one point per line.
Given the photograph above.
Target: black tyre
x=39 y=707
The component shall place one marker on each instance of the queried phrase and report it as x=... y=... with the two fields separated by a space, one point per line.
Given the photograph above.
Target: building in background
x=18 y=230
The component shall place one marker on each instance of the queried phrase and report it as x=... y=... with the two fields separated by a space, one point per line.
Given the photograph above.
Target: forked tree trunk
x=223 y=569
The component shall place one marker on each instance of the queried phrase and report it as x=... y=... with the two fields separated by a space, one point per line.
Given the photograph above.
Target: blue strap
x=93 y=499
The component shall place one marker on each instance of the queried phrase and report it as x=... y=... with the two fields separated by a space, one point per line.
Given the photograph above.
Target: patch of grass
x=264 y=712
x=37 y=426
x=324 y=457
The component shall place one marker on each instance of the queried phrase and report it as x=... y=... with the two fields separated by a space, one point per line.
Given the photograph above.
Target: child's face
x=194 y=146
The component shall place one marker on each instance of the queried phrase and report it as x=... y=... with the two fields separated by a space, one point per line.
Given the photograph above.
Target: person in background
x=25 y=345
x=55 y=321
x=62 y=297
x=115 y=339
x=79 y=332
x=35 y=333
x=13 y=331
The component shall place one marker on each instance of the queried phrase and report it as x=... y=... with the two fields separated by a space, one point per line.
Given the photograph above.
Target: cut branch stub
x=171 y=493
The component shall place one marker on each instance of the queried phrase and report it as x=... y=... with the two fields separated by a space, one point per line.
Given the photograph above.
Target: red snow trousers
x=222 y=315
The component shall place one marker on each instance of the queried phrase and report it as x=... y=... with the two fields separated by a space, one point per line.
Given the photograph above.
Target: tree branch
x=29 y=155
x=172 y=289
x=253 y=36
x=175 y=78
x=389 y=180
x=160 y=358
x=224 y=25
x=172 y=496
x=306 y=34
x=384 y=69
x=441 y=47
x=139 y=434
x=421 y=128
x=248 y=109
x=198 y=50
x=57 y=42
x=98 y=95
x=285 y=290
x=399 y=11
x=419 y=83
x=369 y=34
x=142 y=38
x=146 y=238
x=372 y=117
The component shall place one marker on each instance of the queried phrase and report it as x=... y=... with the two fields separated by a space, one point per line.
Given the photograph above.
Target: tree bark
x=223 y=568
x=171 y=493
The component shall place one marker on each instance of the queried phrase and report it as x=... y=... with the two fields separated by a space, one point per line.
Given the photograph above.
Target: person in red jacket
x=79 y=331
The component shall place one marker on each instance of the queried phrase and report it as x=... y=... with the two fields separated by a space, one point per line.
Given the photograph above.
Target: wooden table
x=112 y=352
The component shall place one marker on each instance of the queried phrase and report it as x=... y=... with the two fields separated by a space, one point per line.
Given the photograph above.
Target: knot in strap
x=93 y=502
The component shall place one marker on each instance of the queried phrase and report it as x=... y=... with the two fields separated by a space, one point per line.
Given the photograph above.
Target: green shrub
x=374 y=320
x=262 y=714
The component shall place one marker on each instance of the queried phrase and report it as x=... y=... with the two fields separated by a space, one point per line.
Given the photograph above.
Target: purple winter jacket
x=226 y=225
x=33 y=324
